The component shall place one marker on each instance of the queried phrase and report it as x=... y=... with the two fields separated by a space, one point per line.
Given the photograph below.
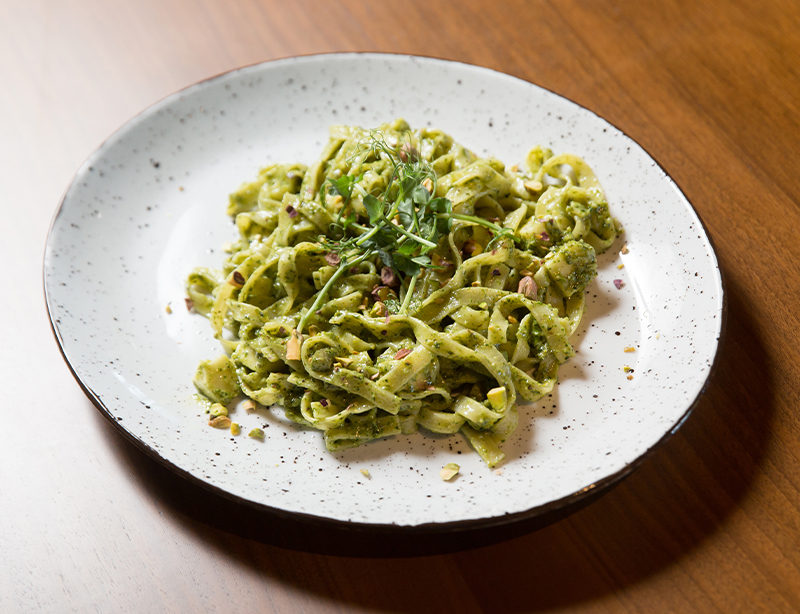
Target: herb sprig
x=405 y=221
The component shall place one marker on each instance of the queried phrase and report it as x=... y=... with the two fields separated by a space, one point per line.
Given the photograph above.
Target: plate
x=149 y=205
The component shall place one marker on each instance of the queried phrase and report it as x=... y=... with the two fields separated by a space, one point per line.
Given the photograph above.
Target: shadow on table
x=674 y=501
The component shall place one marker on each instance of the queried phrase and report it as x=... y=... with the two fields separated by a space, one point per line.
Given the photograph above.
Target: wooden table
x=710 y=523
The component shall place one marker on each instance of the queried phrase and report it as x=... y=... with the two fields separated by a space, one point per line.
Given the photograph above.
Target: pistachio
x=236 y=279
x=534 y=187
x=293 y=346
x=220 y=422
x=449 y=471
x=528 y=287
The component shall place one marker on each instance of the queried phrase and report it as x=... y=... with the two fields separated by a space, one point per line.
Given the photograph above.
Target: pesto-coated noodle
x=401 y=281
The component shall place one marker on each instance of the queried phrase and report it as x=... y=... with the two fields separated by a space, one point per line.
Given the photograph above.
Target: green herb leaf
x=374 y=208
x=406 y=265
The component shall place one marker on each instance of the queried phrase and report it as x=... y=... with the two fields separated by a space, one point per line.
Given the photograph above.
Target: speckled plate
x=149 y=205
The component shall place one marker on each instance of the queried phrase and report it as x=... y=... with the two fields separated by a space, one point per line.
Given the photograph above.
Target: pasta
x=402 y=282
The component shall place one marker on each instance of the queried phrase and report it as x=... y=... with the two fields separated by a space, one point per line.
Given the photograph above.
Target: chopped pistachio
x=235 y=428
x=449 y=471
x=630 y=349
x=365 y=473
x=249 y=406
x=534 y=187
x=471 y=248
x=333 y=201
x=236 y=279
x=626 y=368
x=497 y=398
x=620 y=266
x=220 y=422
x=527 y=287
x=498 y=472
x=168 y=309
x=378 y=310
x=624 y=250
x=630 y=377
x=256 y=433
x=218 y=409
x=293 y=346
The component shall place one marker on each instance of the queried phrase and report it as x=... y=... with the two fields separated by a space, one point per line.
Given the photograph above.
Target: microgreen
x=406 y=221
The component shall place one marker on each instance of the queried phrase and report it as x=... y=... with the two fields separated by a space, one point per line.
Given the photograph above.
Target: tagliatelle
x=401 y=281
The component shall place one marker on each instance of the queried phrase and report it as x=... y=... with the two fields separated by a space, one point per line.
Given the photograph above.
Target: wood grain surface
x=710 y=523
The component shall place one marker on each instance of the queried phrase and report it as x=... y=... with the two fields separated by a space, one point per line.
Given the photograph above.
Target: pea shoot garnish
x=405 y=221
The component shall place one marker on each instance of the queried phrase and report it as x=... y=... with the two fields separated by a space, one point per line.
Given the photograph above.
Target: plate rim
x=553 y=510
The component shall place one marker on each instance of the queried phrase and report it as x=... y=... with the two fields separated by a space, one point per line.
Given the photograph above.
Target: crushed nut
x=236 y=279
x=408 y=153
x=471 y=248
x=630 y=349
x=235 y=428
x=365 y=473
x=293 y=346
x=527 y=287
x=220 y=422
x=256 y=433
x=333 y=200
x=449 y=471
x=388 y=277
x=218 y=409
x=428 y=185
x=402 y=354
x=168 y=309
x=534 y=187
x=378 y=310
x=624 y=250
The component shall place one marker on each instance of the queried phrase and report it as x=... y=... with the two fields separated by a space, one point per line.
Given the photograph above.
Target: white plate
x=149 y=205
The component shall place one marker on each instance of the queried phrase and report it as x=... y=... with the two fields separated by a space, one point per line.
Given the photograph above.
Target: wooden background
x=711 y=523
